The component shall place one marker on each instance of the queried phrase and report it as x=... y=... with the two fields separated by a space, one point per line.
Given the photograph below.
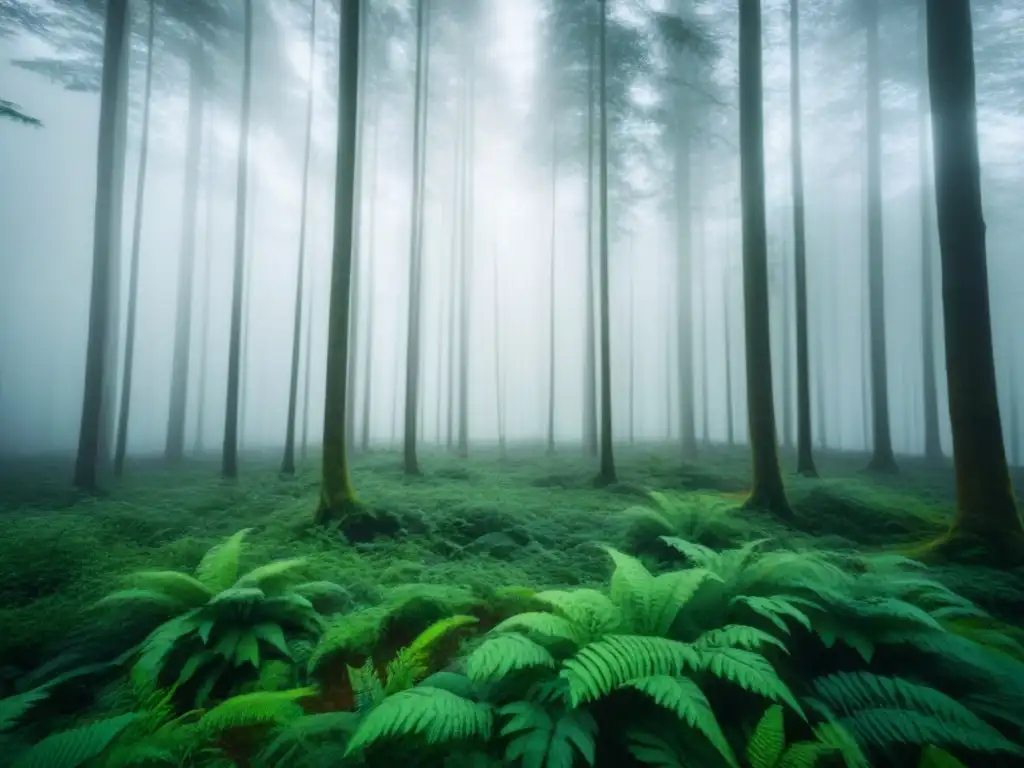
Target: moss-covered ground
x=523 y=519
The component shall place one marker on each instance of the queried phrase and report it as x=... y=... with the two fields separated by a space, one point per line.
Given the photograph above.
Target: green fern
x=591 y=612
x=259 y=708
x=750 y=671
x=74 y=747
x=933 y=757
x=601 y=667
x=685 y=700
x=438 y=716
x=545 y=741
x=776 y=609
x=290 y=737
x=738 y=636
x=764 y=750
x=218 y=569
x=13 y=708
x=498 y=655
x=367 y=687
x=545 y=625
x=886 y=710
x=355 y=633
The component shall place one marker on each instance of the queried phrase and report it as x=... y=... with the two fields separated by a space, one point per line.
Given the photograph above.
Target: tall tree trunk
x=105 y=291
x=551 y=285
x=882 y=458
x=767 y=491
x=229 y=461
x=670 y=390
x=133 y=274
x=337 y=498
x=371 y=284
x=1014 y=412
x=468 y=243
x=174 y=447
x=590 y=353
x=250 y=255
x=499 y=380
x=705 y=422
x=632 y=347
x=804 y=449
x=606 y=475
x=288 y=462
x=413 y=331
x=730 y=427
x=985 y=506
x=684 y=277
x=932 y=444
x=455 y=261
x=306 y=375
x=204 y=323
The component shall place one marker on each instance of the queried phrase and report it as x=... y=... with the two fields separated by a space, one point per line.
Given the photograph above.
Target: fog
x=47 y=209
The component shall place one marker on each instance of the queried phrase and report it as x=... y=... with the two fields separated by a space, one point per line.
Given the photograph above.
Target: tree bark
x=371 y=282
x=174 y=447
x=804 y=453
x=985 y=509
x=590 y=429
x=105 y=288
x=337 y=497
x=882 y=457
x=413 y=331
x=730 y=427
x=606 y=475
x=204 y=327
x=684 y=277
x=767 y=491
x=133 y=274
x=288 y=462
x=229 y=461
x=932 y=443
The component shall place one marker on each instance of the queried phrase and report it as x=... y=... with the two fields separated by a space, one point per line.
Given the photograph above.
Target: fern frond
x=751 y=671
x=218 y=569
x=775 y=609
x=405 y=670
x=884 y=710
x=499 y=655
x=13 y=708
x=546 y=625
x=354 y=633
x=601 y=667
x=185 y=589
x=272 y=577
x=768 y=740
x=738 y=636
x=305 y=729
x=804 y=754
x=543 y=740
x=426 y=640
x=651 y=749
x=696 y=553
x=439 y=716
x=74 y=747
x=147 y=596
x=687 y=701
x=157 y=647
x=593 y=613
x=325 y=596
x=842 y=741
x=367 y=687
x=259 y=708
x=933 y=757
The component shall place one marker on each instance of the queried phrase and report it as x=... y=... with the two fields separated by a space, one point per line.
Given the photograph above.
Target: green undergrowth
x=470 y=538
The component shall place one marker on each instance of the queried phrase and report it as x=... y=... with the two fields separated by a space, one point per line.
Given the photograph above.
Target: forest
x=542 y=383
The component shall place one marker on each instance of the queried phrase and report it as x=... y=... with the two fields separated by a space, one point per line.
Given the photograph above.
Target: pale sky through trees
x=46 y=213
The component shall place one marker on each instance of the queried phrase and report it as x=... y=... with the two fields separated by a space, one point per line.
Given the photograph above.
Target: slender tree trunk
x=551 y=286
x=1014 y=412
x=932 y=444
x=337 y=498
x=229 y=466
x=174 y=447
x=882 y=458
x=730 y=427
x=246 y=381
x=767 y=491
x=204 y=326
x=804 y=449
x=288 y=462
x=670 y=390
x=590 y=353
x=105 y=289
x=684 y=271
x=705 y=423
x=632 y=346
x=413 y=334
x=371 y=281
x=499 y=380
x=985 y=508
x=468 y=244
x=306 y=375
x=606 y=475
x=455 y=260
x=133 y=275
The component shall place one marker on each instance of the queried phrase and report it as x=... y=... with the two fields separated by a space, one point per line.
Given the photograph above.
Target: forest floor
x=486 y=522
